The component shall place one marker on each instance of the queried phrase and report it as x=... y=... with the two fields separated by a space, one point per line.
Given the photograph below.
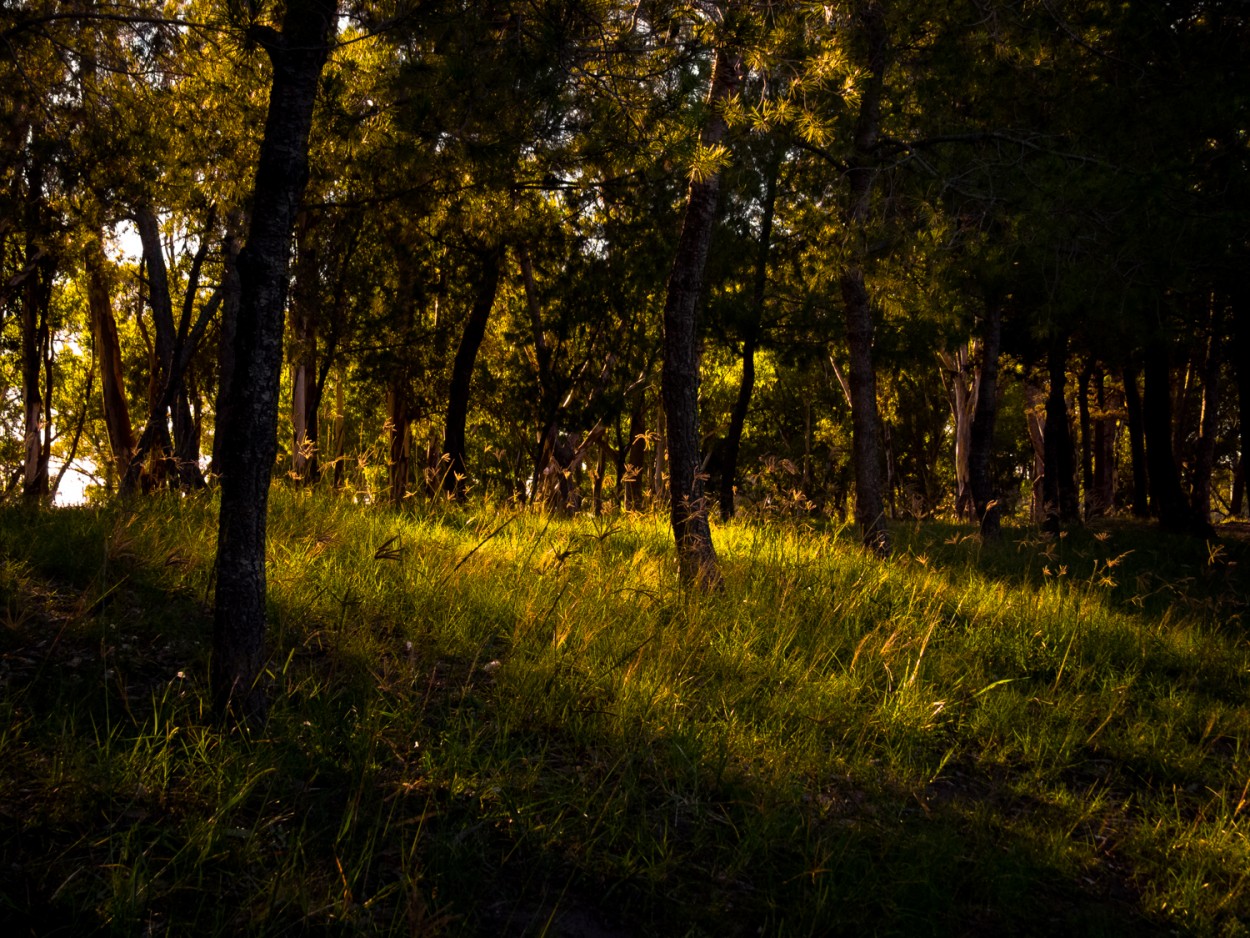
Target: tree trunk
x=1105 y=425
x=230 y=290
x=962 y=389
x=1137 y=444
x=1241 y=344
x=1059 y=497
x=108 y=352
x=981 y=434
x=305 y=298
x=1166 y=495
x=250 y=445
x=399 y=426
x=635 y=460
x=1204 y=456
x=455 y=479
x=867 y=440
x=696 y=557
x=750 y=341
x=36 y=343
x=1087 y=443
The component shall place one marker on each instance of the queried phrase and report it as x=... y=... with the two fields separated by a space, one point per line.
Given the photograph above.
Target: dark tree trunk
x=455 y=480
x=696 y=557
x=1059 y=497
x=984 y=417
x=1104 y=451
x=737 y=418
x=1204 y=455
x=636 y=454
x=230 y=289
x=1241 y=345
x=1087 y=443
x=108 y=352
x=399 y=426
x=183 y=450
x=1137 y=443
x=867 y=439
x=36 y=343
x=1166 y=495
x=250 y=444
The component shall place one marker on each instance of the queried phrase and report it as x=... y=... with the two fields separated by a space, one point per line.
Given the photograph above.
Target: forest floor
x=491 y=722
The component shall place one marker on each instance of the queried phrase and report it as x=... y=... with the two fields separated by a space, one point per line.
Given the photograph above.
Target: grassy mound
x=491 y=722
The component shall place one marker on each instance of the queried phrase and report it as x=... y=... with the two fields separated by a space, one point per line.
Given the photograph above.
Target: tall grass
x=489 y=721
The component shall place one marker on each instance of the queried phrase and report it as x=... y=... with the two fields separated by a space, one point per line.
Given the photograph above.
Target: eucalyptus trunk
x=750 y=341
x=696 y=557
x=455 y=479
x=1137 y=443
x=1166 y=495
x=981 y=434
x=1060 y=503
x=867 y=439
x=108 y=354
x=247 y=452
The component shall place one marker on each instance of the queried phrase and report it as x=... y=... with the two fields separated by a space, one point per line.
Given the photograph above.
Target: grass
x=491 y=722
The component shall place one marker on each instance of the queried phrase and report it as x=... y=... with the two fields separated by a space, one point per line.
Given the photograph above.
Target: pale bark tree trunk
x=456 y=478
x=750 y=341
x=1035 y=417
x=962 y=386
x=1085 y=423
x=108 y=353
x=696 y=557
x=250 y=447
x=305 y=296
x=36 y=345
x=981 y=433
x=867 y=440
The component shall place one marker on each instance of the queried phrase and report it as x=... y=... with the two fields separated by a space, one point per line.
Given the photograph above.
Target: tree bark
x=1060 y=504
x=1105 y=425
x=305 y=298
x=696 y=557
x=108 y=353
x=750 y=341
x=399 y=426
x=36 y=343
x=1204 y=456
x=1166 y=495
x=1087 y=442
x=1137 y=443
x=455 y=479
x=981 y=435
x=867 y=439
x=636 y=452
x=1241 y=342
x=248 y=451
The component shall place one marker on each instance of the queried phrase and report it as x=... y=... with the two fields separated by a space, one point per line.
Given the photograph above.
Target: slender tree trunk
x=750 y=341
x=1241 y=344
x=1059 y=497
x=867 y=441
x=963 y=394
x=250 y=446
x=981 y=434
x=36 y=345
x=1204 y=456
x=1103 y=498
x=1087 y=443
x=108 y=353
x=399 y=426
x=1137 y=443
x=636 y=454
x=455 y=480
x=230 y=296
x=1166 y=495
x=305 y=298
x=696 y=557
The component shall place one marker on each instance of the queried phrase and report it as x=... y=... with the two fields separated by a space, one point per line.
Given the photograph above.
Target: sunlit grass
x=492 y=721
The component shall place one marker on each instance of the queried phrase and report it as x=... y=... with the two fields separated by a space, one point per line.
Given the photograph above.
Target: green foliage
x=485 y=721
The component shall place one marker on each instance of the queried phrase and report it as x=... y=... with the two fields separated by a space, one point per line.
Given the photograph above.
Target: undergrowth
x=490 y=721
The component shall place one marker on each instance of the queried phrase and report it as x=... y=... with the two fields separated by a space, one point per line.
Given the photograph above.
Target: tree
x=249 y=441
